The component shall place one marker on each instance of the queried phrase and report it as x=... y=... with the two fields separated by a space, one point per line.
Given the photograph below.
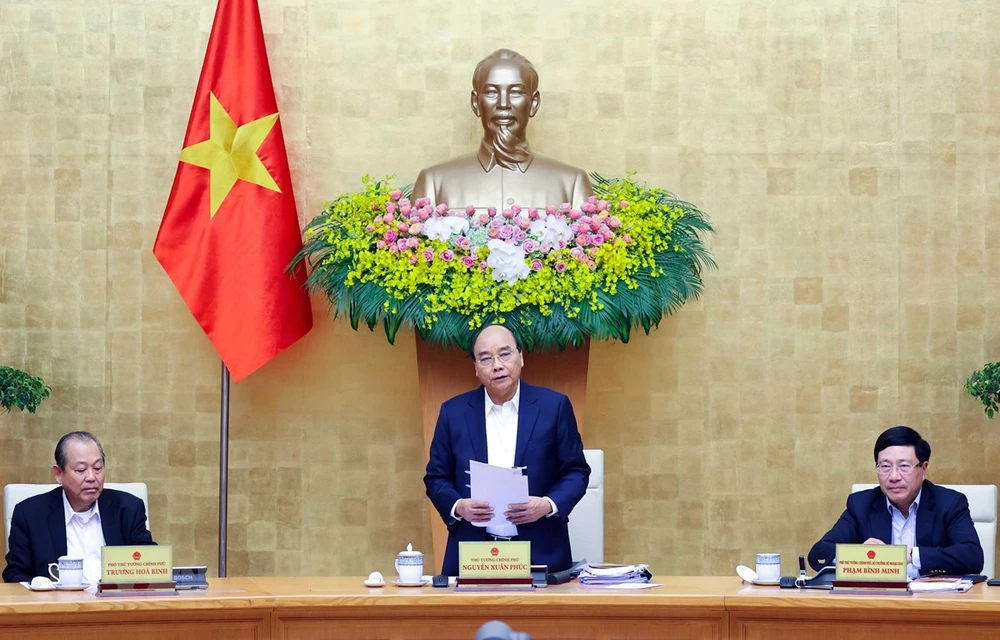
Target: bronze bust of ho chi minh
x=505 y=171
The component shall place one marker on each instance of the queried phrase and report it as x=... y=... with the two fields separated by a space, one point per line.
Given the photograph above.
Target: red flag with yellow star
x=230 y=226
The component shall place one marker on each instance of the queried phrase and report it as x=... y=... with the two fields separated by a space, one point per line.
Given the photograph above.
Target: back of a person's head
x=902 y=436
x=496 y=630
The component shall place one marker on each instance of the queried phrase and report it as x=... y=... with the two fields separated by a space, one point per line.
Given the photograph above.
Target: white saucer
x=766 y=583
x=400 y=583
x=372 y=583
x=78 y=587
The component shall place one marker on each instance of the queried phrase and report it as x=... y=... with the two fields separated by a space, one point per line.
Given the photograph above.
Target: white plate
x=78 y=587
x=400 y=583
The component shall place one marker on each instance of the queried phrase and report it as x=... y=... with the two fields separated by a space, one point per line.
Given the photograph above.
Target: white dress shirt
x=84 y=539
x=501 y=442
x=904 y=531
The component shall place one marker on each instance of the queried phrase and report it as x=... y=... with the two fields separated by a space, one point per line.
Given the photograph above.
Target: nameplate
x=132 y=564
x=871 y=562
x=494 y=559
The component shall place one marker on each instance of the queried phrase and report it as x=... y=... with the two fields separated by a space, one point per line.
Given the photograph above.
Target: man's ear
x=57 y=473
x=536 y=101
x=475 y=103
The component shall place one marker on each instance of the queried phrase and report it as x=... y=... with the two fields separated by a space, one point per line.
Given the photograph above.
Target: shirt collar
x=516 y=400
x=913 y=507
x=488 y=160
x=85 y=516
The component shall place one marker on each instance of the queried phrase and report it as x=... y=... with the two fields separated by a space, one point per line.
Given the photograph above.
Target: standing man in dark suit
x=76 y=519
x=906 y=508
x=508 y=423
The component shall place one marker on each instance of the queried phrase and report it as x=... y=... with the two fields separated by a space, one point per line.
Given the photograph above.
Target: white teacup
x=410 y=565
x=69 y=571
x=768 y=567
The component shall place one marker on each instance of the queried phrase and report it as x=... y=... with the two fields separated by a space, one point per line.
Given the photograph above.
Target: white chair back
x=983 y=507
x=14 y=493
x=586 y=522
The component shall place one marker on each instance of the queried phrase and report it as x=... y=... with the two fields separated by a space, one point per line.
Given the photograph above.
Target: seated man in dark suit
x=76 y=519
x=508 y=423
x=933 y=522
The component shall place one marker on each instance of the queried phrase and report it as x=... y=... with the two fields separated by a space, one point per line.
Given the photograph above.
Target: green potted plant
x=985 y=385
x=21 y=390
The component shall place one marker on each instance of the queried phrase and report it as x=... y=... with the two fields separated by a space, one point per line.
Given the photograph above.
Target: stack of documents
x=500 y=486
x=939 y=585
x=615 y=574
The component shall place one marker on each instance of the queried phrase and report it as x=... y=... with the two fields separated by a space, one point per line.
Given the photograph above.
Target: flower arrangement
x=555 y=276
x=984 y=384
x=21 y=390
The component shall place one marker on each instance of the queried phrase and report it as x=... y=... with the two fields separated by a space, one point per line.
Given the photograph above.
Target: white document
x=500 y=486
x=624 y=586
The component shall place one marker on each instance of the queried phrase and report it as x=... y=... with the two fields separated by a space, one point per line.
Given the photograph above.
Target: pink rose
x=423 y=215
x=589 y=207
x=536 y=265
x=483 y=266
x=484 y=218
x=447 y=255
x=608 y=234
x=597 y=239
x=529 y=246
x=388 y=218
x=523 y=223
x=532 y=214
x=463 y=243
x=545 y=249
x=592 y=265
x=381 y=244
x=585 y=220
x=403 y=244
x=575 y=252
x=565 y=207
x=493 y=232
x=595 y=225
x=390 y=236
x=413 y=259
x=582 y=240
x=492 y=211
x=614 y=222
x=550 y=210
x=402 y=227
x=592 y=200
x=516 y=209
x=562 y=244
x=442 y=209
x=468 y=262
x=627 y=239
x=520 y=235
x=583 y=257
x=470 y=211
x=370 y=228
x=507 y=213
x=393 y=249
x=623 y=204
x=375 y=206
x=422 y=202
x=506 y=231
x=574 y=215
x=412 y=243
x=405 y=202
x=406 y=210
x=575 y=228
x=390 y=207
x=560 y=267
x=417 y=228
x=496 y=223
x=428 y=255
x=602 y=205
x=396 y=195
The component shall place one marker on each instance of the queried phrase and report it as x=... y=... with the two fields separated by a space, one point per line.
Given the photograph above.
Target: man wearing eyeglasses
x=933 y=522
x=508 y=423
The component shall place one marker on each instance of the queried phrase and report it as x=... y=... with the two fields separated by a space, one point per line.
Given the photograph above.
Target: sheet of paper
x=625 y=586
x=500 y=486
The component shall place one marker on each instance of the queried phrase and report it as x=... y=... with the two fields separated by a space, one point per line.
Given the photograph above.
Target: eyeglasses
x=904 y=468
x=487 y=361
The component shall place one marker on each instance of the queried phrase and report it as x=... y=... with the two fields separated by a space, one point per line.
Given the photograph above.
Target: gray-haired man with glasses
x=906 y=508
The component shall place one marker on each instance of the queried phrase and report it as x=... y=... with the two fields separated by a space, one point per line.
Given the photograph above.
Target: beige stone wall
x=846 y=150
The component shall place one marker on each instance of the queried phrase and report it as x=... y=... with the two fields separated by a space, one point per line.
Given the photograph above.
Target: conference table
x=340 y=608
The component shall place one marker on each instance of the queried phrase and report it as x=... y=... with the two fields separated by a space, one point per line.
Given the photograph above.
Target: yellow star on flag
x=230 y=153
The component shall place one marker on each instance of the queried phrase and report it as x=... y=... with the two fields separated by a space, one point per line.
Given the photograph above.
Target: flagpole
x=223 y=470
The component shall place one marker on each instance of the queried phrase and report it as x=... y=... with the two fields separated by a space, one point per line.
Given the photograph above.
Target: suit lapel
x=879 y=521
x=106 y=504
x=57 y=524
x=527 y=415
x=475 y=420
x=925 y=516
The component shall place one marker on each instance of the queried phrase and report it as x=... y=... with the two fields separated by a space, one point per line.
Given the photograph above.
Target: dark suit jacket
x=548 y=444
x=946 y=537
x=38 y=530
